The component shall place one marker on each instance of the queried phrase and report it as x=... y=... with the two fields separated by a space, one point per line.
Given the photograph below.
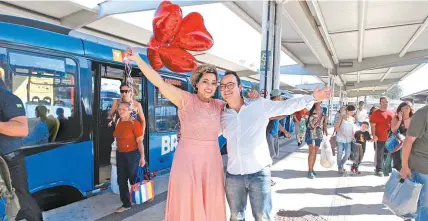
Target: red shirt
x=382 y=119
x=300 y=114
x=126 y=134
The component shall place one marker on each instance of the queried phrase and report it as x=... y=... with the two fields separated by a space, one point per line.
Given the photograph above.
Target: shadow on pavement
x=288 y=215
x=329 y=191
x=292 y=174
x=350 y=210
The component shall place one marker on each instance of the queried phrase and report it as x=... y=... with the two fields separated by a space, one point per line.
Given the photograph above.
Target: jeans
x=127 y=167
x=257 y=186
x=18 y=173
x=396 y=160
x=341 y=159
x=380 y=153
x=273 y=143
x=422 y=212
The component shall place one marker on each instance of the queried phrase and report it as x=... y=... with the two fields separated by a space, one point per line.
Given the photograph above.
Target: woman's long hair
x=311 y=112
x=406 y=103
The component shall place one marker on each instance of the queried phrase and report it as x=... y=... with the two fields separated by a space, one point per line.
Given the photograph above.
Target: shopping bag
x=401 y=196
x=395 y=142
x=327 y=159
x=143 y=190
x=113 y=176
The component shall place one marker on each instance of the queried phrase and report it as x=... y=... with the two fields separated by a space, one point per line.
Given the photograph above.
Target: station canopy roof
x=372 y=45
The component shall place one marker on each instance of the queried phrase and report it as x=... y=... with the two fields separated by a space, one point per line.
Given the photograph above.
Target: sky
x=415 y=82
x=243 y=45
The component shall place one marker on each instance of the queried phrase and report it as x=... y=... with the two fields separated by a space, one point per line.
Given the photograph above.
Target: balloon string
x=129 y=81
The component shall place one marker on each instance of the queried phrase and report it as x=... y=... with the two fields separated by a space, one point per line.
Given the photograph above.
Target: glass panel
x=46 y=86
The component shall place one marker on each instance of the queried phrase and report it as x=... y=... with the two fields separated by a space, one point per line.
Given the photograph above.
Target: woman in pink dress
x=196 y=183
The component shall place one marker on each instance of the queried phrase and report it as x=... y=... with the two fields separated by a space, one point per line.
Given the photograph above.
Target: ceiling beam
x=325 y=30
x=84 y=17
x=412 y=71
x=295 y=69
x=362 y=9
x=414 y=37
x=385 y=61
x=302 y=21
x=364 y=93
x=354 y=85
x=358 y=77
x=386 y=74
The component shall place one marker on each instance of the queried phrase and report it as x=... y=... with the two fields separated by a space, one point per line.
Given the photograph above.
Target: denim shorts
x=309 y=141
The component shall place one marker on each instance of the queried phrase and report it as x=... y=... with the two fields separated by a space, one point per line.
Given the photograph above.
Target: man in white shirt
x=361 y=113
x=243 y=123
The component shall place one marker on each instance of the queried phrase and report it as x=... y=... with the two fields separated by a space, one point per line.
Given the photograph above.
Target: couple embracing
x=196 y=186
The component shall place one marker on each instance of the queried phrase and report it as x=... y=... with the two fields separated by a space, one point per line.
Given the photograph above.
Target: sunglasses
x=124 y=91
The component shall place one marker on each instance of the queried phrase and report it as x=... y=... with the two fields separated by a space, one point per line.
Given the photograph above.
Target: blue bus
x=77 y=79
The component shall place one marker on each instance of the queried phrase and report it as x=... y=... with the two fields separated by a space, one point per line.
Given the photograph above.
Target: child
x=361 y=137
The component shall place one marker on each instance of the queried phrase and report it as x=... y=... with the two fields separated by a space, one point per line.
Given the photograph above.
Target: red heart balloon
x=177 y=59
x=153 y=54
x=193 y=35
x=167 y=22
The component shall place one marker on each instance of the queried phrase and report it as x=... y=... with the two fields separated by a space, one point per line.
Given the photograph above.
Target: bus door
x=163 y=123
x=107 y=79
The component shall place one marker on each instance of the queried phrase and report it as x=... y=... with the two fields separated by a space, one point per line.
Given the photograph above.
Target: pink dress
x=196 y=182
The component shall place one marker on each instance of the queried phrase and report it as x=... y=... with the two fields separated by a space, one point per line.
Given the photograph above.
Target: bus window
x=166 y=118
x=47 y=86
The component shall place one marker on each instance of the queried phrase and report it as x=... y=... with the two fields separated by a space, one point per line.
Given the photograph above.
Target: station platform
x=330 y=196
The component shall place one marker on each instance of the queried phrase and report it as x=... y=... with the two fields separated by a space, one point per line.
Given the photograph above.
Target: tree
x=396 y=92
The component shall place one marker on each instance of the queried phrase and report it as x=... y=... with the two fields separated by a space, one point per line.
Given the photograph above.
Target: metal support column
x=268 y=32
x=340 y=96
x=277 y=46
x=331 y=84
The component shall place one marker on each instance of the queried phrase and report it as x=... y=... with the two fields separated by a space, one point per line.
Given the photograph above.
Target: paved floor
x=295 y=197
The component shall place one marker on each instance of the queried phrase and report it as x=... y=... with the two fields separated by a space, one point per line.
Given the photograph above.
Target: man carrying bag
x=415 y=158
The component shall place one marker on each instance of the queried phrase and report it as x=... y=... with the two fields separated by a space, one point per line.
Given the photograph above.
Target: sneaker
x=272 y=183
x=342 y=170
x=379 y=174
x=311 y=175
x=122 y=209
x=314 y=173
x=357 y=171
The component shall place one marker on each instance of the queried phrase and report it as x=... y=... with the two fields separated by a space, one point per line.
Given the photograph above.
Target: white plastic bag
x=402 y=196
x=113 y=178
x=327 y=159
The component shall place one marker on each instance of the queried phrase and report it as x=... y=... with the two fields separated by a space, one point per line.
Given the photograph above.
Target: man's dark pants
x=380 y=148
x=18 y=173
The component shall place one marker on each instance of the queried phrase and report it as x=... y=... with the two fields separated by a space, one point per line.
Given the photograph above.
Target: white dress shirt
x=361 y=115
x=247 y=147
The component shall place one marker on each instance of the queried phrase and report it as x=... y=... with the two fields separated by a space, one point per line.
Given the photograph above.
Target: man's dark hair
x=366 y=123
x=350 y=108
x=238 y=80
x=361 y=102
x=383 y=97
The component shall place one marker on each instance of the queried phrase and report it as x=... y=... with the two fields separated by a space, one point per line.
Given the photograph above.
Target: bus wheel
x=56 y=197
x=223 y=150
